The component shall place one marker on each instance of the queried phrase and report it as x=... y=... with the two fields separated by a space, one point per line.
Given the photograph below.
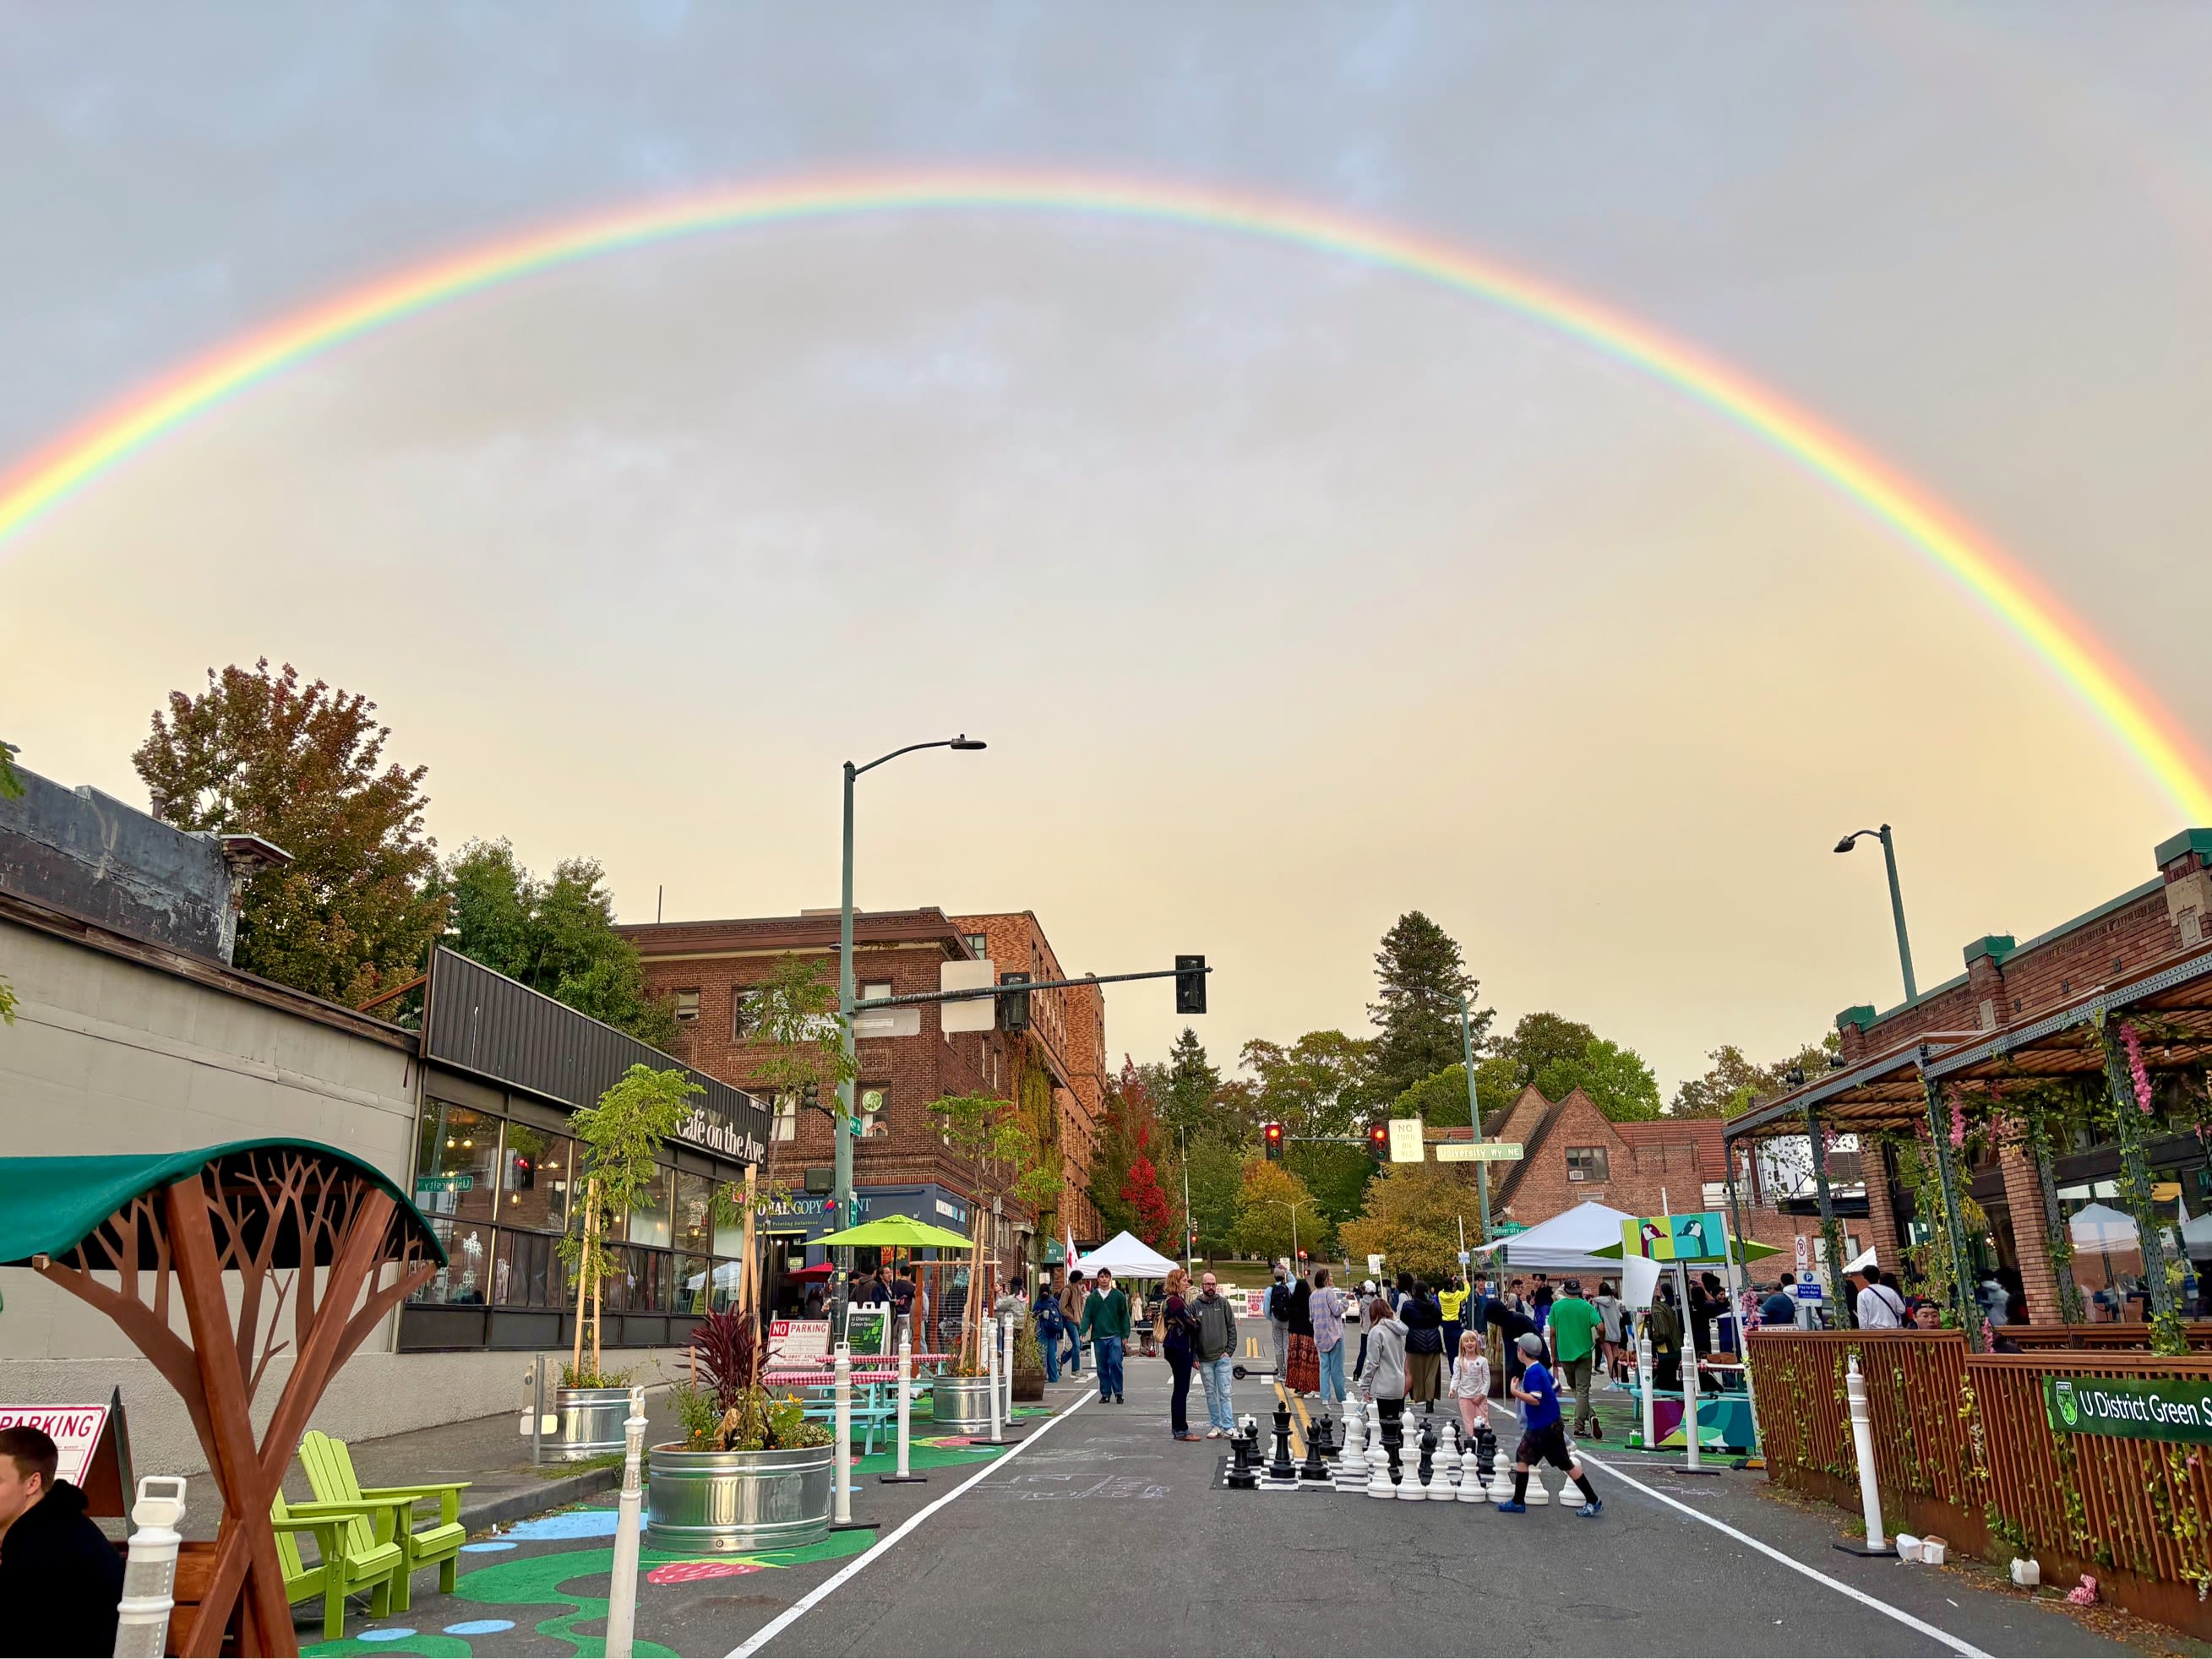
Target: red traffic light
x=1378 y=1137
x=1271 y=1135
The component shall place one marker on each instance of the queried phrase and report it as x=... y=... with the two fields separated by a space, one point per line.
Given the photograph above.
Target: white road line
x=775 y=1627
x=1966 y=1649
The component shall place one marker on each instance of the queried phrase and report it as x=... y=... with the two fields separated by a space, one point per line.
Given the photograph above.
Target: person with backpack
x=1071 y=1320
x=1049 y=1324
x=1279 y=1320
x=1879 y=1308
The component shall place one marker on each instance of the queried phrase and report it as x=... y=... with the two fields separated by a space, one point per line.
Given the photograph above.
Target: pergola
x=226 y=1236
x=2167 y=1011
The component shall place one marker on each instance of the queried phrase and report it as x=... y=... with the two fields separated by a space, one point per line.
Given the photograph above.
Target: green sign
x=2163 y=1409
x=1507 y=1229
x=448 y=1183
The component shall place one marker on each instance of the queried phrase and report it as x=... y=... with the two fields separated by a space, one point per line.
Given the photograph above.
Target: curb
x=522 y=1504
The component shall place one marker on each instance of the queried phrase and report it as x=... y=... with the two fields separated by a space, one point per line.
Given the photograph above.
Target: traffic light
x=809 y=1095
x=1014 y=1005
x=1271 y=1135
x=1190 y=985
x=1378 y=1139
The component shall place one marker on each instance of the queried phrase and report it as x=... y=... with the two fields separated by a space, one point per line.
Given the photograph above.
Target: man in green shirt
x=1106 y=1322
x=1573 y=1326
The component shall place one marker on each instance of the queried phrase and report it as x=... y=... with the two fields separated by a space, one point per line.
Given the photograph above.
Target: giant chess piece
x=1470 y=1479
x=1281 y=1468
x=1324 y=1434
x=1378 y=1478
x=1393 y=1441
x=1501 y=1473
x=1242 y=1476
x=1415 y=1488
x=1316 y=1468
x=1538 y=1495
x=1432 y=1470
x=1352 y=1462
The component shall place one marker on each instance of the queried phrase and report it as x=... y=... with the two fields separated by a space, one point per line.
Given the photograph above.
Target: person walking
x=1175 y=1332
x=1424 y=1345
x=1279 y=1321
x=1386 y=1368
x=1303 y=1373
x=1326 y=1309
x=1366 y=1296
x=1049 y=1324
x=1879 y=1307
x=1573 y=1326
x=60 y=1580
x=1663 y=1325
x=1213 y=1338
x=1106 y=1322
x=1452 y=1301
x=1609 y=1310
x=1470 y=1382
x=1543 y=1440
x=1071 y=1319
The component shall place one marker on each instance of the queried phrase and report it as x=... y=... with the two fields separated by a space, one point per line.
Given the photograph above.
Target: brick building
x=1573 y=1153
x=2006 y=986
x=900 y=1163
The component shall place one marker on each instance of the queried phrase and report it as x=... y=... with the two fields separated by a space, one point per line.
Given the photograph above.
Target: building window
x=687 y=1005
x=875 y=989
x=979 y=945
x=787 y=1116
x=1586 y=1163
x=874 y=1105
x=744 y=1018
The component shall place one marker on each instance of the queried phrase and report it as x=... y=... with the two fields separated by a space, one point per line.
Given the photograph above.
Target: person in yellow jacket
x=1453 y=1300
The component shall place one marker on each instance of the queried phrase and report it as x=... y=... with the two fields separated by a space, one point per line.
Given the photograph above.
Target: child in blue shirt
x=1543 y=1438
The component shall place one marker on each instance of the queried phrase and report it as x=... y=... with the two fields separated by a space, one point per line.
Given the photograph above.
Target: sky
x=1290 y=594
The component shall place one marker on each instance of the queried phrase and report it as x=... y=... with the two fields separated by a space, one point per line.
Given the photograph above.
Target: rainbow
x=2112 y=695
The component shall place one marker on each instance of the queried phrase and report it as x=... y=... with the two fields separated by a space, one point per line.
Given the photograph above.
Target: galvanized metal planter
x=729 y=1502
x=962 y=1405
x=591 y=1422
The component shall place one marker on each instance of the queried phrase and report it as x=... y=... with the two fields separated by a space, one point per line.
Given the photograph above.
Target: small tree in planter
x=744 y=1416
x=622 y=1135
x=993 y=1134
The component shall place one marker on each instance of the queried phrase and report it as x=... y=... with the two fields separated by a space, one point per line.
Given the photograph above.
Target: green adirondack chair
x=330 y=1473
x=354 y=1558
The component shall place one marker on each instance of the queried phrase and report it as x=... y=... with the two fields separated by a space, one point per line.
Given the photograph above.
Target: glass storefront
x=498 y=1192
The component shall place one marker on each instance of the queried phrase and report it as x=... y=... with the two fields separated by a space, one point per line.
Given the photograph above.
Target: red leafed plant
x=728 y=1345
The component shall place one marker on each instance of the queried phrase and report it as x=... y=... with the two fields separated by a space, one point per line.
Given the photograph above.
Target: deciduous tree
x=303 y=767
x=1264 y=1213
x=1414 y=1219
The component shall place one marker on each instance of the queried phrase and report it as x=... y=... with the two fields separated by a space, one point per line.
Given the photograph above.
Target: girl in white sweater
x=1470 y=1382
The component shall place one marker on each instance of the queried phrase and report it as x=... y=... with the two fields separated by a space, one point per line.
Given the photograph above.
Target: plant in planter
x=1009 y=1164
x=620 y=1136
x=748 y=1417
x=1029 y=1363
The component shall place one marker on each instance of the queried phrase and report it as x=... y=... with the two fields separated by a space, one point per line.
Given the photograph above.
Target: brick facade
x=710 y=965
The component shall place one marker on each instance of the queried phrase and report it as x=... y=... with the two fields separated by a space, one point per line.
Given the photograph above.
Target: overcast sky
x=1290 y=594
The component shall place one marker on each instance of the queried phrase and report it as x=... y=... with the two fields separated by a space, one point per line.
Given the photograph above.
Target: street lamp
x=1293 y=1205
x=1896 y=900
x=841 y=1132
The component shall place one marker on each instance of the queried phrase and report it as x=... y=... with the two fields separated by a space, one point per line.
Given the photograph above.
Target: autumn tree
x=1130 y=1123
x=1414 y=1219
x=1153 y=1217
x=1272 y=1205
x=303 y=767
x=1420 y=980
x=557 y=936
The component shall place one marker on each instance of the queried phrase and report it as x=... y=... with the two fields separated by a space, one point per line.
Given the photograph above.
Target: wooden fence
x=2122 y=1338
x=1964 y=1448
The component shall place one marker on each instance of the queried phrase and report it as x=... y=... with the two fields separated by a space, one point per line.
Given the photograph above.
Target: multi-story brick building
x=901 y=1163
x=2006 y=985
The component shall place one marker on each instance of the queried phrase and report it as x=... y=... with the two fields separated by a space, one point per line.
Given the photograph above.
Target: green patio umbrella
x=897 y=1232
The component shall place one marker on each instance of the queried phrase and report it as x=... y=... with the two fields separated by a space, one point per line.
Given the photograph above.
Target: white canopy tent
x=1563 y=1243
x=1126 y=1256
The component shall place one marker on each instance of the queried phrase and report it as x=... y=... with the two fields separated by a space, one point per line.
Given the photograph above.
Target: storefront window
x=465 y=1279
x=695 y=1212
x=457 y=1163
x=534 y=1179
x=694 y=1283
x=649 y=1216
x=527 y=1272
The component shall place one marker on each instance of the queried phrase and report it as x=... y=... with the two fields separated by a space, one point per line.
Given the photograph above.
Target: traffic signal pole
x=1475 y=1111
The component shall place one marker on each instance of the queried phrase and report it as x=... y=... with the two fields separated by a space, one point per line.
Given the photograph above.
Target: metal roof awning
x=2171 y=1007
x=1883 y=1092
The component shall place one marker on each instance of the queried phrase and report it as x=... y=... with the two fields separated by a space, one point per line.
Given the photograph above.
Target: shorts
x=1544 y=1445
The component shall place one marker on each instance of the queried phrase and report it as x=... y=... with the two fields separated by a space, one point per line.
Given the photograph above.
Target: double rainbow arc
x=2158 y=742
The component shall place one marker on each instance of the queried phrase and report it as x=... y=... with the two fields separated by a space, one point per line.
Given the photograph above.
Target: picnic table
x=874 y=1381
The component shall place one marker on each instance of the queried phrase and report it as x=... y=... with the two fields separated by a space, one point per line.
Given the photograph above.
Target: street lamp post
x=1293 y=1205
x=842 y=1130
x=1474 y=1109
x=1896 y=901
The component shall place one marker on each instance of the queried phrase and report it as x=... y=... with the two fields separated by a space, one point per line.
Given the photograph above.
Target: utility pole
x=1474 y=1109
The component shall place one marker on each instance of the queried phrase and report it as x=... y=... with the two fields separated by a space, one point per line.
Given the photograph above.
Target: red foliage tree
x=1155 y=1222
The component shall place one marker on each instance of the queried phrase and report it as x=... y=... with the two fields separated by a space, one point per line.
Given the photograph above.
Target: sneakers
x=1512 y=1508
x=1215 y=1434
x=1592 y=1509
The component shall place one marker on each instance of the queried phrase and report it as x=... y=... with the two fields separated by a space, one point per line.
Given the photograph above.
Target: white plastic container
x=1933 y=1550
x=2027 y=1574
x=1908 y=1547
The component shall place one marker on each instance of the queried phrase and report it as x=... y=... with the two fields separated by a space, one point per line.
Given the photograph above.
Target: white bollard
x=1854 y=1390
x=841 y=1454
x=149 y=1575
x=621 y=1590
x=991 y=1377
x=1006 y=1367
x=1643 y=1382
x=905 y=1476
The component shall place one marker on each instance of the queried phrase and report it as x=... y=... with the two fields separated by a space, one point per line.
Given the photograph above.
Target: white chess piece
x=1378 y=1476
x=1537 y=1494
x=1409 y=1476
x=1501 y=1480
x=1470 y=1482
x=1439 y=1487
x=1352 y=1462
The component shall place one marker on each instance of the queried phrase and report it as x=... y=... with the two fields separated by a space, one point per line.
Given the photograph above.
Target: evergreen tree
x=1419 y=981
x=1185 y=1102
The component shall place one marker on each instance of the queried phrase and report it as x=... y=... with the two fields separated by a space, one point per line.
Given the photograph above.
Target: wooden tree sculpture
x=231 y=1235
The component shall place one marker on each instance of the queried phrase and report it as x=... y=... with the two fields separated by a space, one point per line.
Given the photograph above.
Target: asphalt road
x=1144 y=1554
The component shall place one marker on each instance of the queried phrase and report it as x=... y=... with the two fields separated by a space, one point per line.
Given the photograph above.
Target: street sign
x=1478 y=1152
x=976 y=1013
x=897 y=1022
x=1507 y=1229
x=2131 y=1408
x=1808 y=1291
x=1374 y=1264
x=1406 y=1140
x=1465 y=1257
x=1804 y=1253
x=444 y=1183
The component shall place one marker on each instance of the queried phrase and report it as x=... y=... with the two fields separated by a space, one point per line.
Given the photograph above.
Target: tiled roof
x=1703 y=1133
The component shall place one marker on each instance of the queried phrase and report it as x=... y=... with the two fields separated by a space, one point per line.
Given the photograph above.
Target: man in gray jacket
x=1216 y=1348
